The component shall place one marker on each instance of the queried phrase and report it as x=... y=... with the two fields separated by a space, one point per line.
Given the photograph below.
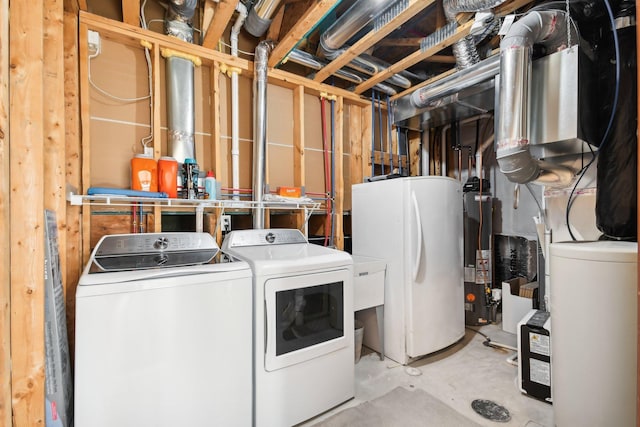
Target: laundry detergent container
x=594 y=339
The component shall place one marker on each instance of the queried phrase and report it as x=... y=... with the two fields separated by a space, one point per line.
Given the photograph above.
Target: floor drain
x=491 y=410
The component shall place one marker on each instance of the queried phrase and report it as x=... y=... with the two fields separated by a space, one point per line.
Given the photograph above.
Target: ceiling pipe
x=263 y=50
x=465 y=50
x=259 y=19
x=306 y=59
x=512 y=152
x=180 y=83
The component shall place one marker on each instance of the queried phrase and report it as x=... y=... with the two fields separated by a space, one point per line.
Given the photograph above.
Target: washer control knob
x=161 y=243
x=270 y=237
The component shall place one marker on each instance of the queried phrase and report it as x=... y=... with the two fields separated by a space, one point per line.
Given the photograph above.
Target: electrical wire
x=603 y=141
x=104 y=92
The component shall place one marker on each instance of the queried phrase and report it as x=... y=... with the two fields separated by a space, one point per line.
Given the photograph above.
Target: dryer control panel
x=273 y=236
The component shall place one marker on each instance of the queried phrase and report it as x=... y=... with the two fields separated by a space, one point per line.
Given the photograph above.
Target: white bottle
x=210 y=185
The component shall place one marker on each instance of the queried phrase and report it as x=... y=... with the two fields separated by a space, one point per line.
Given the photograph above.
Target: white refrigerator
x=415 y=225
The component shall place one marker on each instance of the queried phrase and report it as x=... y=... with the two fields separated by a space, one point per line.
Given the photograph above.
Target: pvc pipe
x=235 y=114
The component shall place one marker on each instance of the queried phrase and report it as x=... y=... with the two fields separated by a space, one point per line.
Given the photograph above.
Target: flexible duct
x=259 y=18
x=180 y=86
x=465 y=50
x=514 y=158
x=262 y=52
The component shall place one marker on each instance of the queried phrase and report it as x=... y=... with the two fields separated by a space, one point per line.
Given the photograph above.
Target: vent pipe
x=180 y=92
x=263 y=50
x=512 y=152
x=259 y=18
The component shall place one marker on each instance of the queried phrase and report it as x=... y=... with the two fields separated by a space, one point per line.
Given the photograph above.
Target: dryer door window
x=305 y=317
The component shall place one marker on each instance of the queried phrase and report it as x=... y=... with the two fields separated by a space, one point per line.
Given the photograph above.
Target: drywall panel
x=314 y=171
x=245 y=106
x=279 y=116
x=313 y=123
x=280 y=167
x=245 y=163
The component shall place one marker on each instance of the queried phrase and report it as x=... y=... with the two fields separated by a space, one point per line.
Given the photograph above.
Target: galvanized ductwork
x=259 y=18
x=465 y=50
x=261 y=60
x=180 y=86
x=512 y=153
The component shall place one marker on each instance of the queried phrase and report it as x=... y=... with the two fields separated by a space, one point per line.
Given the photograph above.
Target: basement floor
x=456 y=376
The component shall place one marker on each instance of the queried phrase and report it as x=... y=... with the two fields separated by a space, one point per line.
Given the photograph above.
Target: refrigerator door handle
x=416 y=264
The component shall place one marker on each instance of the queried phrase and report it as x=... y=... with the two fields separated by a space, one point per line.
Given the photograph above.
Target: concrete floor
x=466 y=371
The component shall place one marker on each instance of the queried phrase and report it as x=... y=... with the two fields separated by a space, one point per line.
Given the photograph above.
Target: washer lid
x=117 y=252
x=605 y=251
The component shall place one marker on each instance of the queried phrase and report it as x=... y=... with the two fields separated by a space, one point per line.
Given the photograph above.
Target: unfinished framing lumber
x=273 y=33
x=131 y=12
x=414 y=153
x=339 y=175
x=414 y=58
x=424 y=83
x=355 y=143
x=298 y=147
x=370 y=39
x=302 y=27
x=367 y=130
x=85 y=132
x=156 y=129
x=54 y=121
x=73 y=238
x=215 y=136
x=5 y=229
x=26 y=100
x=221 y=17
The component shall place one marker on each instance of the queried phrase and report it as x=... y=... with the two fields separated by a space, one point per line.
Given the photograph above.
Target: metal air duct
x=512 y=153
x=259 y=18
x=262 y=52
x=180 y=86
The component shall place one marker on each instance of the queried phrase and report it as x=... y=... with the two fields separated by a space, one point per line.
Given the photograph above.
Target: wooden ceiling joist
x=304 y=25
x=221 y=17
x=414 y=58
x=131 y=12
x=370 y=39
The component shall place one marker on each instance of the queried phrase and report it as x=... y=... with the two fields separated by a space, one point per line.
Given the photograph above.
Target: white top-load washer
x=163 y=336
x=303 y=324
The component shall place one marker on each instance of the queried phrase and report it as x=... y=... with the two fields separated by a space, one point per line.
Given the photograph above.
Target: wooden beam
x=85 y=135
x=26 y=100
x=221 y=17
x=372 y=38
x=276 y=24
x=298 y=146
x=338 y=208
x=511 y=6
x=304 y=25
x=400 y=42
x=73 y=173
x=414 y=58
x=356 y=143
x=54 y=122
x=131 y=12
x=5 y=223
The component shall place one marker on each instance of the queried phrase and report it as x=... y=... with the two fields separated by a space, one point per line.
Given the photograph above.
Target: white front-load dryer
x=303 y=327
x=163 y=336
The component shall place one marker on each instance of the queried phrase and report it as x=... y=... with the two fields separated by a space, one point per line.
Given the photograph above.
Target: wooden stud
x=414 y=58
x=298 y=147
x=217 y=159
x=73 y=172
x=156 y=131
x=54 y=122
x=372 y=38
x=302 y=27
x=85 y=135
x=414 y=153
x=5 y=223
x=367 y=129
x=356 y=143
x=131 y=12
x=276 y=24
x=339 y=175
x=26 y=100
x=221 y=17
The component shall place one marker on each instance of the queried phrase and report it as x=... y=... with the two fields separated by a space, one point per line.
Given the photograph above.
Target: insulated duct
x=512 y=153
x=306 y=59
x=180 y=86
x=259 y=18
x=465 y=50
x=261 y=59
